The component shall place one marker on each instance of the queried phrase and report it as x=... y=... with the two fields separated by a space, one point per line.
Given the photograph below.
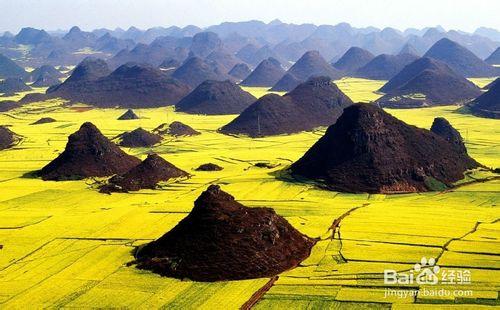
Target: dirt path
x=254 y=299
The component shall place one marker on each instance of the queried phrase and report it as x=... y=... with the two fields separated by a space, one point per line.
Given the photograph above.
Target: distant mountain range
x=249 y=42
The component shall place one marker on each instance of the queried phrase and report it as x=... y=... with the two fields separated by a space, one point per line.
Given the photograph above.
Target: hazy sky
x=90 y=14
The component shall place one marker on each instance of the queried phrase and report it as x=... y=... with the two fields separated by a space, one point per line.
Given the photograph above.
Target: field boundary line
x=254 y=299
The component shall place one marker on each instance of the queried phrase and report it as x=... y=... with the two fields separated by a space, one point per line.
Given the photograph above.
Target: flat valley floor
x=66 y=245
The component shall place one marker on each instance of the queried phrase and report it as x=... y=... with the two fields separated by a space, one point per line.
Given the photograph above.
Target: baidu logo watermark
x=427 y=273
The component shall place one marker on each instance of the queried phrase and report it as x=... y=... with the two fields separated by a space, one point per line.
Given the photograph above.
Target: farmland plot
x=66 y=245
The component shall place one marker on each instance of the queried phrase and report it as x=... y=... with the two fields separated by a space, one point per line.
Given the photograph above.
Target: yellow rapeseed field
x=66 y=245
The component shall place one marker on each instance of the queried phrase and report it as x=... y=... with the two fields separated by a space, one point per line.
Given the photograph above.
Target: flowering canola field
x=63 y=244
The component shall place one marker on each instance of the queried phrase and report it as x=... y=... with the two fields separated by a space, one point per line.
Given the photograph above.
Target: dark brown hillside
x=427 y=82
x=175 y=129
x=128 y=115
x=368 y=150
x=309 y=65
x=13 y=85
x=215 y=98
x=138 y=138
x=266 y=74
x=195 y=71
x=240 y=71
x=9 y=69
x=129 y=86
x=460 y=59
x=146 y=175
x=7 y=138
x=488 y=104
x=353 y=59
x=317 y=102
x=88 y=153
x=384 y=67
x=222 y=239
x=443 y=128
